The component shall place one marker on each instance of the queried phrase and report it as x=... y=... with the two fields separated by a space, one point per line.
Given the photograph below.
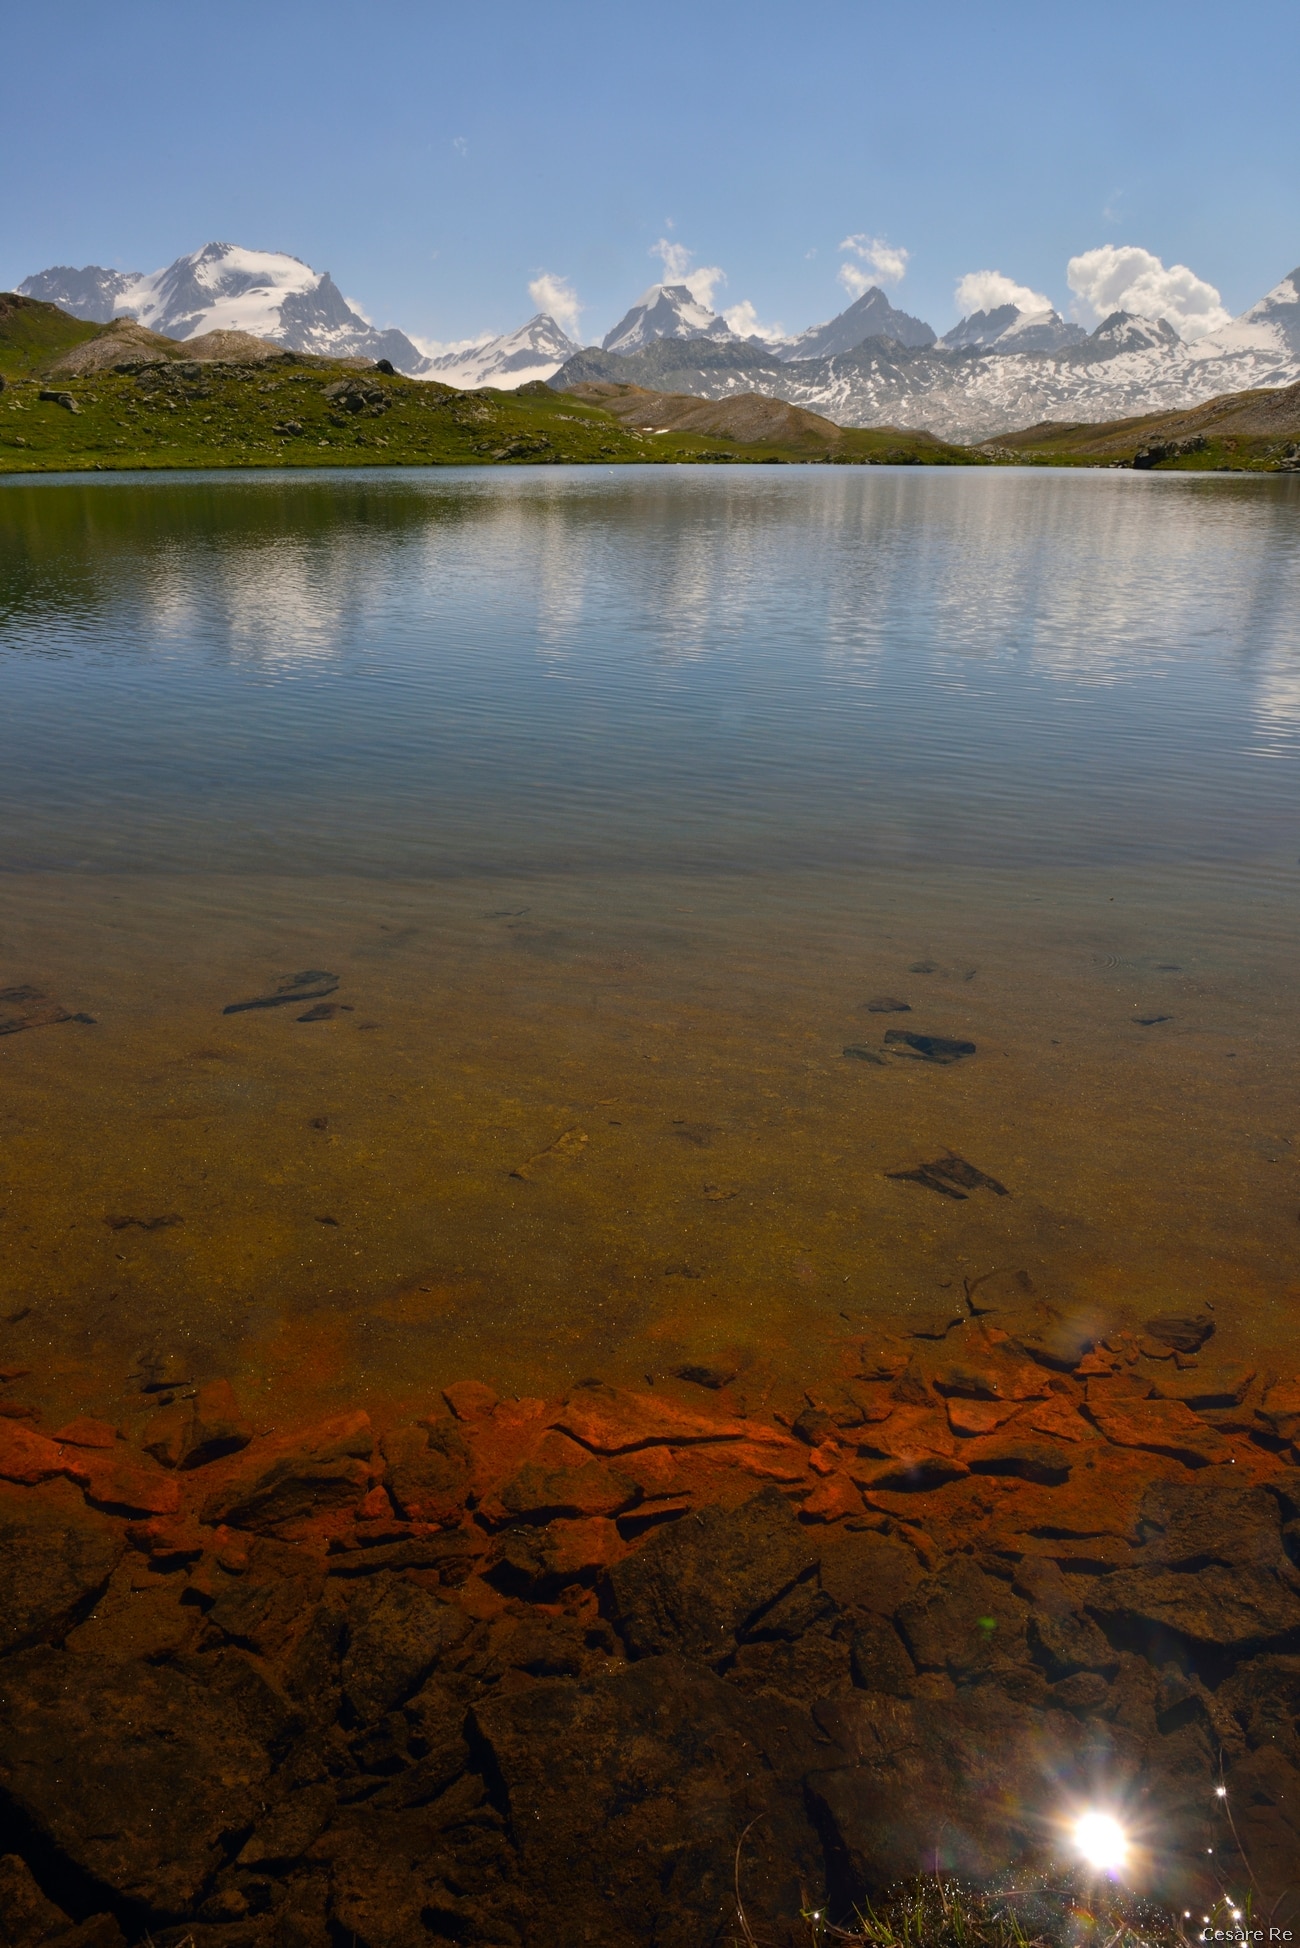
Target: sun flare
x=1101 y=1841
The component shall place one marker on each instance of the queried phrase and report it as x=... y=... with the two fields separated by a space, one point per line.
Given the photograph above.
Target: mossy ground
x=1028 y=1911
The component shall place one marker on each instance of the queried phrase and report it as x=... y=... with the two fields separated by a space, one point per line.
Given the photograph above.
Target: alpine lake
x=541 y=924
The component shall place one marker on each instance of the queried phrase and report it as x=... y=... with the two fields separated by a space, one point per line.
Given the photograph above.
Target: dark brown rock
x=27 y=1918
x=1187 y=1524
x=1182 y=1333
x=538 y=1494
x=697 y=1584
x=132 y=1771
x=964 y=1623
x=1263 y=1694
x=428 y=1470
x=55 y=1558
x=879 y=1661
x=396 y=1634
x=291 y=1490
x=868 y=1572
x=193 y=1433
x=290 y=1827
x=1264 y=1788
x=1228 y=1609
x=947 y=1784
x=396 y=1877
x=627 y=1797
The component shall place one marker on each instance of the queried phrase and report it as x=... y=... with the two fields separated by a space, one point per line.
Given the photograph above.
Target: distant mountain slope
x=91 y=293
x=536 y=351
x=969 y=391
x=223 y=287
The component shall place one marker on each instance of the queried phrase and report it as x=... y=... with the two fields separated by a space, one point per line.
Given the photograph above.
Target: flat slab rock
x=696 y=1584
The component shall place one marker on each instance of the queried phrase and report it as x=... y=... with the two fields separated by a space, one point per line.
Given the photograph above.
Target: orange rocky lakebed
x=389 y=1676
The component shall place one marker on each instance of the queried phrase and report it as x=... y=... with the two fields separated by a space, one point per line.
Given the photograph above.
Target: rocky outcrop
x=528 y=1669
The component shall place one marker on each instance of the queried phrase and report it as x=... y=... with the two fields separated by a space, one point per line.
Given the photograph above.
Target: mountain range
x=871 y=365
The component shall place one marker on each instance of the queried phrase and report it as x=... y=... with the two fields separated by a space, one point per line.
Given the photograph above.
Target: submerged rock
x=130 y=1771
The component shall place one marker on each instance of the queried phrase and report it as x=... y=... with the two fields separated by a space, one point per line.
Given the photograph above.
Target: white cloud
x=744 y=321
x=440 y=347
x=986 y=290
x=676 y=259
x=1123 y=277
x=878 y=263
x=557 y=296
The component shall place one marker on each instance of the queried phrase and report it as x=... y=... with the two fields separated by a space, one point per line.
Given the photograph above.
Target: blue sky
x=438 y=158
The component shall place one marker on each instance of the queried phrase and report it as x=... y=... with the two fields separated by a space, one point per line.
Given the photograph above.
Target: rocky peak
x=664 y=311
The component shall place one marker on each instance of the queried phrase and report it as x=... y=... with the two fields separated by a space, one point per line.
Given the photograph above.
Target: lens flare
x=1102 y=1842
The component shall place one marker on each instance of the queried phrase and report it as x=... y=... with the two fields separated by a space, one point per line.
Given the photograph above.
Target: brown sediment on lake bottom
x=524 y=1670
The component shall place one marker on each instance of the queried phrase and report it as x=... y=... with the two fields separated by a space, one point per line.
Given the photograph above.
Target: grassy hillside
x=32 y=335
x=1251 y=432
x=307 y=412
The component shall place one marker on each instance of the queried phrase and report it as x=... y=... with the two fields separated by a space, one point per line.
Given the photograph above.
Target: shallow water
x=610 y=799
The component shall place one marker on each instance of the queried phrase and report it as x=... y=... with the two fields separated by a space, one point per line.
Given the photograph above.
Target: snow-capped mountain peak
x=224 y=287
x=1010 y=329
x=535 y=351
x=664 y=311
x=1125 y=331
x=1272 y=325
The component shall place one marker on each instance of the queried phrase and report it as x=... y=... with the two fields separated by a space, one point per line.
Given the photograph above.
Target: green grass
x=1147 y=443
x=32 y=334
x=289 y=412
x=1031 y=1910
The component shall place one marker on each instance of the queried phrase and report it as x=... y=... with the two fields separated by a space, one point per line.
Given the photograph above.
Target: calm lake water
x=608 y=800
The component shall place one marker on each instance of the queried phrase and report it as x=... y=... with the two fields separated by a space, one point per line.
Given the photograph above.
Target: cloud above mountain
x=558 y=299
x=988 y=290
x=1124 y=277
x=871 y=260
x=676 y=260
x=746 y=323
